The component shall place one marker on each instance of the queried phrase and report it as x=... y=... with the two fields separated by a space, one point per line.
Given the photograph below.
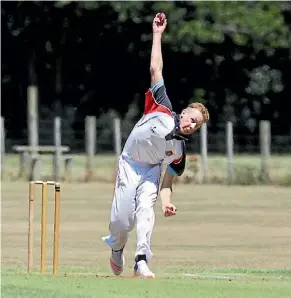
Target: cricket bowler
x=157 y=140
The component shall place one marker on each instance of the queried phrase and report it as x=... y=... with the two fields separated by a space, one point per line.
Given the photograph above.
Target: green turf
x=207 y=250
x=95 y=286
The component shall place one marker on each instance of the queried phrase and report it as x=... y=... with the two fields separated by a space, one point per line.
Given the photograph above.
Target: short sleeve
x=157 y=100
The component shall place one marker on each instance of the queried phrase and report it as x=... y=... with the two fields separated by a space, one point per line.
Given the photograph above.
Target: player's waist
x=134 y=161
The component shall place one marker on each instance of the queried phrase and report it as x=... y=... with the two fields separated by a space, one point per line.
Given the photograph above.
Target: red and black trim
x=178 y=165
x=157 y=102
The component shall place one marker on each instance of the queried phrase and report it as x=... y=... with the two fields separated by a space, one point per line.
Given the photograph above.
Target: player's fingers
x=171 y=212
x=173 y=208
x=164 y=24
x=168 y=213
x=156 y=20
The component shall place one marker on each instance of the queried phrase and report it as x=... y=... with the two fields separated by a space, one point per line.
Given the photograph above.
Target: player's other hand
x=169 y=209
x=159 y=27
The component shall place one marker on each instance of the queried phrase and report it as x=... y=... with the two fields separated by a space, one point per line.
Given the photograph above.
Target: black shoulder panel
x=179 y=164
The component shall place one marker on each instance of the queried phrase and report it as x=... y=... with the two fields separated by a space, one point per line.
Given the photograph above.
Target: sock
x=140 y=258
x=118 y=250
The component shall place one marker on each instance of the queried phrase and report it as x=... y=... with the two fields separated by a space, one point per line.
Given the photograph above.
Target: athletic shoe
x=116 y=260
x=142 y=270
x=135 y=270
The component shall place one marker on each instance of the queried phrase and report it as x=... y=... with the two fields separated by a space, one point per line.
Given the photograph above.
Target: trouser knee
x=120 y=231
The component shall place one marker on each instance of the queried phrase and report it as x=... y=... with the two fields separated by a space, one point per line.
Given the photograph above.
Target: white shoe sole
x=150 y=276
x=137 y=274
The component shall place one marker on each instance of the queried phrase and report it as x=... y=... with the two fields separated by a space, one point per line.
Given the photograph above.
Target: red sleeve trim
x=152 y=106
x=178 y=160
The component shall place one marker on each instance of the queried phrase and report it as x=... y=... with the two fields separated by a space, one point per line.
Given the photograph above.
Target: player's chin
x=187 y=131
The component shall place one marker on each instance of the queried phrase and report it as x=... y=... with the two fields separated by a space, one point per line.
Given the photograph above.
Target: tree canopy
x=234 y=56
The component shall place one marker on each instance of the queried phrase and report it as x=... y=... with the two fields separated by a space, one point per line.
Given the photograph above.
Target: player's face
x=190 y=120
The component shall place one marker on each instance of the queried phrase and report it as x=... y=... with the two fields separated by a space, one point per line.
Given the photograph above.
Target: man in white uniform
x=156 y=140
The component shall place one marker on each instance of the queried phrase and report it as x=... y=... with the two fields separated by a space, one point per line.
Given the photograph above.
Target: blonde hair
x=200 y=107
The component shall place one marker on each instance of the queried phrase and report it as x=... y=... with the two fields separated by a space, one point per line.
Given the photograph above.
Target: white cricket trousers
x=135 y=194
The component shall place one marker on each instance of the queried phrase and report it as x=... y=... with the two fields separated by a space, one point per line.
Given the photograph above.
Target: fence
x=108 y=136
x=97 y=138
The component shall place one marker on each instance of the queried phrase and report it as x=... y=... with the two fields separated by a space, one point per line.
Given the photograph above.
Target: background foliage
x=233 y=56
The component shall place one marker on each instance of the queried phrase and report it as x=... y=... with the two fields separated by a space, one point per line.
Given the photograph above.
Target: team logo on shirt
x=169 y=153
x=153 y=128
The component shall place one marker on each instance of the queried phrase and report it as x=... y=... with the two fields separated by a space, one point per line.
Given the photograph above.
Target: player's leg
x=149 y=255
x=146 y=197
x=122 y=219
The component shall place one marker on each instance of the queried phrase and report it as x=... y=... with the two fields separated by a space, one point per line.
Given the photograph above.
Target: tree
x=223 y=53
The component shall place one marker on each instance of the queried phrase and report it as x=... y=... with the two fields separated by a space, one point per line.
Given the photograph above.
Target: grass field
x=73 y=287
x=224 y=242
x=246 y=168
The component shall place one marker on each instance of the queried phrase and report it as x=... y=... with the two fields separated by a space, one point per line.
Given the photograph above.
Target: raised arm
x=157 y=99
x=156 y=65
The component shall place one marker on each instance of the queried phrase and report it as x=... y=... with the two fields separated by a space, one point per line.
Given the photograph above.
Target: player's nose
x=187 y=123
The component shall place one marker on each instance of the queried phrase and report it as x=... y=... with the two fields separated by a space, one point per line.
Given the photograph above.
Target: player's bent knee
x=123 y=224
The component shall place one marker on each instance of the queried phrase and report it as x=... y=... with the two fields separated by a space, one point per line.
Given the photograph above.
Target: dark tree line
x=233 y=56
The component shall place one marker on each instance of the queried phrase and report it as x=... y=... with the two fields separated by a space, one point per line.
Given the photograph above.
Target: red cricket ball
x=161 y=16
